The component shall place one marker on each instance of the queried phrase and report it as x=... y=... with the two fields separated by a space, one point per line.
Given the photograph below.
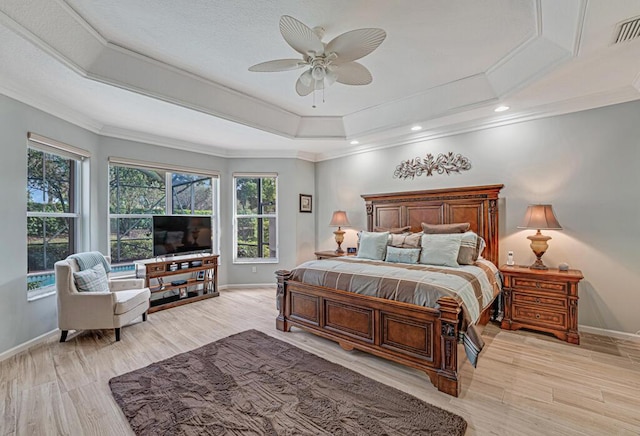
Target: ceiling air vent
x=628 y=30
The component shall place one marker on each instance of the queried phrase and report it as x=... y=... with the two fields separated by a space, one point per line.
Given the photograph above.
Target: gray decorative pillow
x=434 y=229
x=407 y=240
x=373 y=245
x=393 y=230
x=402 y=255
x=441 y=249
x=469 y=248
x=92 y=279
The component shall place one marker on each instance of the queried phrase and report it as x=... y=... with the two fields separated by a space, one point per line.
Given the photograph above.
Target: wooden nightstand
x=542 y=300
x=331 y=253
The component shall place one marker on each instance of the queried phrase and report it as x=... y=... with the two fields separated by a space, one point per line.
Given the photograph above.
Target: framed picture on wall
x=305 y=203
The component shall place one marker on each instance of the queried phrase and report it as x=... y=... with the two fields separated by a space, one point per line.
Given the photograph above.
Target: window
x=255 y=218
x=138 y=191
x=53 y=211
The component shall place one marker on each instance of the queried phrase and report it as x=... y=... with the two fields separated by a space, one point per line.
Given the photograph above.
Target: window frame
x=236 y=216
x=79 y=164
x=168 y=201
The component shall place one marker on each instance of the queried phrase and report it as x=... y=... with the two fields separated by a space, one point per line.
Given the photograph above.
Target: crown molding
x=49 y=106
x=579 y=104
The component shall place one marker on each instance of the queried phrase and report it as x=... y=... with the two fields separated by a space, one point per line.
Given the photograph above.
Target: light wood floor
x=525 y=384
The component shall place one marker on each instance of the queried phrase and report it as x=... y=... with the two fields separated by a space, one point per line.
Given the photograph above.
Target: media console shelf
x=199 y=280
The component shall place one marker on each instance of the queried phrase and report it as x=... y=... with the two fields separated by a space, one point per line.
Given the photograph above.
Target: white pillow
x=441 y=249
x=373 y=245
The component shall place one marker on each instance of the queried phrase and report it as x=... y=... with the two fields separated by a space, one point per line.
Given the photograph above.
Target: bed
x=421 y=337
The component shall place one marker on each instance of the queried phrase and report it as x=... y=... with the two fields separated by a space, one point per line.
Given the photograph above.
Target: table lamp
x=339 y=219
x=539 y=217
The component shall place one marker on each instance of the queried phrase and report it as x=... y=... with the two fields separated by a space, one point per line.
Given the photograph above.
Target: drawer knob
x=537 y=284
x=537 y=300
x=537 y=316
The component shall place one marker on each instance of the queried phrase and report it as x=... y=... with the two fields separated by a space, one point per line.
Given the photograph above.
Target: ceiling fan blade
x=353 y=73
x=355 y=44
x=304 y=89
x=278 y=65
x=299 y=36
x=306 y=78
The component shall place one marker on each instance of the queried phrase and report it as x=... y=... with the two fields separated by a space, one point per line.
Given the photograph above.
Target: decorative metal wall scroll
x=443 y=164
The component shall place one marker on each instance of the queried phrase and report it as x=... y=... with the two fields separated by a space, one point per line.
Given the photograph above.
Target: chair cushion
x=92 y=279
x=127 y=300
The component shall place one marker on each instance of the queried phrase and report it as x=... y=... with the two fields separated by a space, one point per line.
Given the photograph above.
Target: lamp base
x=339 y=239
x=538 y=265
x=539 y=246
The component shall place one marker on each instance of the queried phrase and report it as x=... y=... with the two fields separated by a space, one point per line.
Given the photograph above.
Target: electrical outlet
x=254 y=269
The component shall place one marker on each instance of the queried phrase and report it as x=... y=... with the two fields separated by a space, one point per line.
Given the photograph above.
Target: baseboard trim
x=610 y=333
x=247 y=286
x=26 y=345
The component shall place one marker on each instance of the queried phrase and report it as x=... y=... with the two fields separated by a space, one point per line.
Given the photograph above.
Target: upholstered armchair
x=126 y=300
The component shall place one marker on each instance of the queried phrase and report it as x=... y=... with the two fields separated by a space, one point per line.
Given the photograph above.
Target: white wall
x=21 y=320
x=585 y=164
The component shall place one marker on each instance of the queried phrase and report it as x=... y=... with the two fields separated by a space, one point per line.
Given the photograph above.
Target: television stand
x=195 y=278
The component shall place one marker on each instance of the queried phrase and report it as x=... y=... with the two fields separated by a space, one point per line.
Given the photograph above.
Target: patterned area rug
x=253 y=384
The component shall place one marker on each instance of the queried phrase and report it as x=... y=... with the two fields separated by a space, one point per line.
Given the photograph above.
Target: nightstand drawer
x=537 y=300
x=539 y=285
x=532 y=315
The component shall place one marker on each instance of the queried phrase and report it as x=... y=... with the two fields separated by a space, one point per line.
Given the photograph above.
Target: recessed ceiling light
x=501 y=109
x=416 y=128
x=354 y=142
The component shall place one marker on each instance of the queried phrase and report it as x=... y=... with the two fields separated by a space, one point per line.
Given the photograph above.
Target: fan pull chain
x=314 y=97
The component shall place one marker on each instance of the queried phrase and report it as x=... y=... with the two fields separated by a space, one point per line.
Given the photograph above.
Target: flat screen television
x=174 y=234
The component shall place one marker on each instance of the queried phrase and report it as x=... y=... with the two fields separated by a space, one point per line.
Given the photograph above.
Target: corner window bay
x=255 y=218
x=164 y=220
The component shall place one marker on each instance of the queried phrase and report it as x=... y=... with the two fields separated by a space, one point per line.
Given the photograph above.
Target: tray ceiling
x=176 y=73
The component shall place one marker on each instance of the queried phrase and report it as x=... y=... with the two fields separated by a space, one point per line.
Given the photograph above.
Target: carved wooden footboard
x=420 y=337
x=415 y=336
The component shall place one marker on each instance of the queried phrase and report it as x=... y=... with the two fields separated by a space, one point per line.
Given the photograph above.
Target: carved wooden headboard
x=477 y=205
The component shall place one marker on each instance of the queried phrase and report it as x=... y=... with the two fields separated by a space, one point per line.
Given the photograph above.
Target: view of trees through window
x=256 y=218
x=51 y=213
x=136 y=194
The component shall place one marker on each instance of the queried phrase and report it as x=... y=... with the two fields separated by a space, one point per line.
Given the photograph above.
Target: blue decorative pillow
x=402 y=255
x=92 y=279
x=441 y=249
x=373 y=245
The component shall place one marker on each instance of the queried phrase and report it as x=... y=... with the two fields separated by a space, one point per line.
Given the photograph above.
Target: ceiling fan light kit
x=325 y=63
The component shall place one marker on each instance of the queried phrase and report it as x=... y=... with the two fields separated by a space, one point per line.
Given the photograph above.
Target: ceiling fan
x=325 y=63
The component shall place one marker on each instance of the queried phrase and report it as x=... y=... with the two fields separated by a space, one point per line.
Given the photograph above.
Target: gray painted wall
x=21 y=320
x=585 y=164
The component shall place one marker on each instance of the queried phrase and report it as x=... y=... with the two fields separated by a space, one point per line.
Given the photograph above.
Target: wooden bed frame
x=420 y=337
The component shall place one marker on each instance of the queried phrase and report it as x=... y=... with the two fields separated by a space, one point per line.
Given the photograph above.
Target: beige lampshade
x=540 y=217
x=339 y=219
